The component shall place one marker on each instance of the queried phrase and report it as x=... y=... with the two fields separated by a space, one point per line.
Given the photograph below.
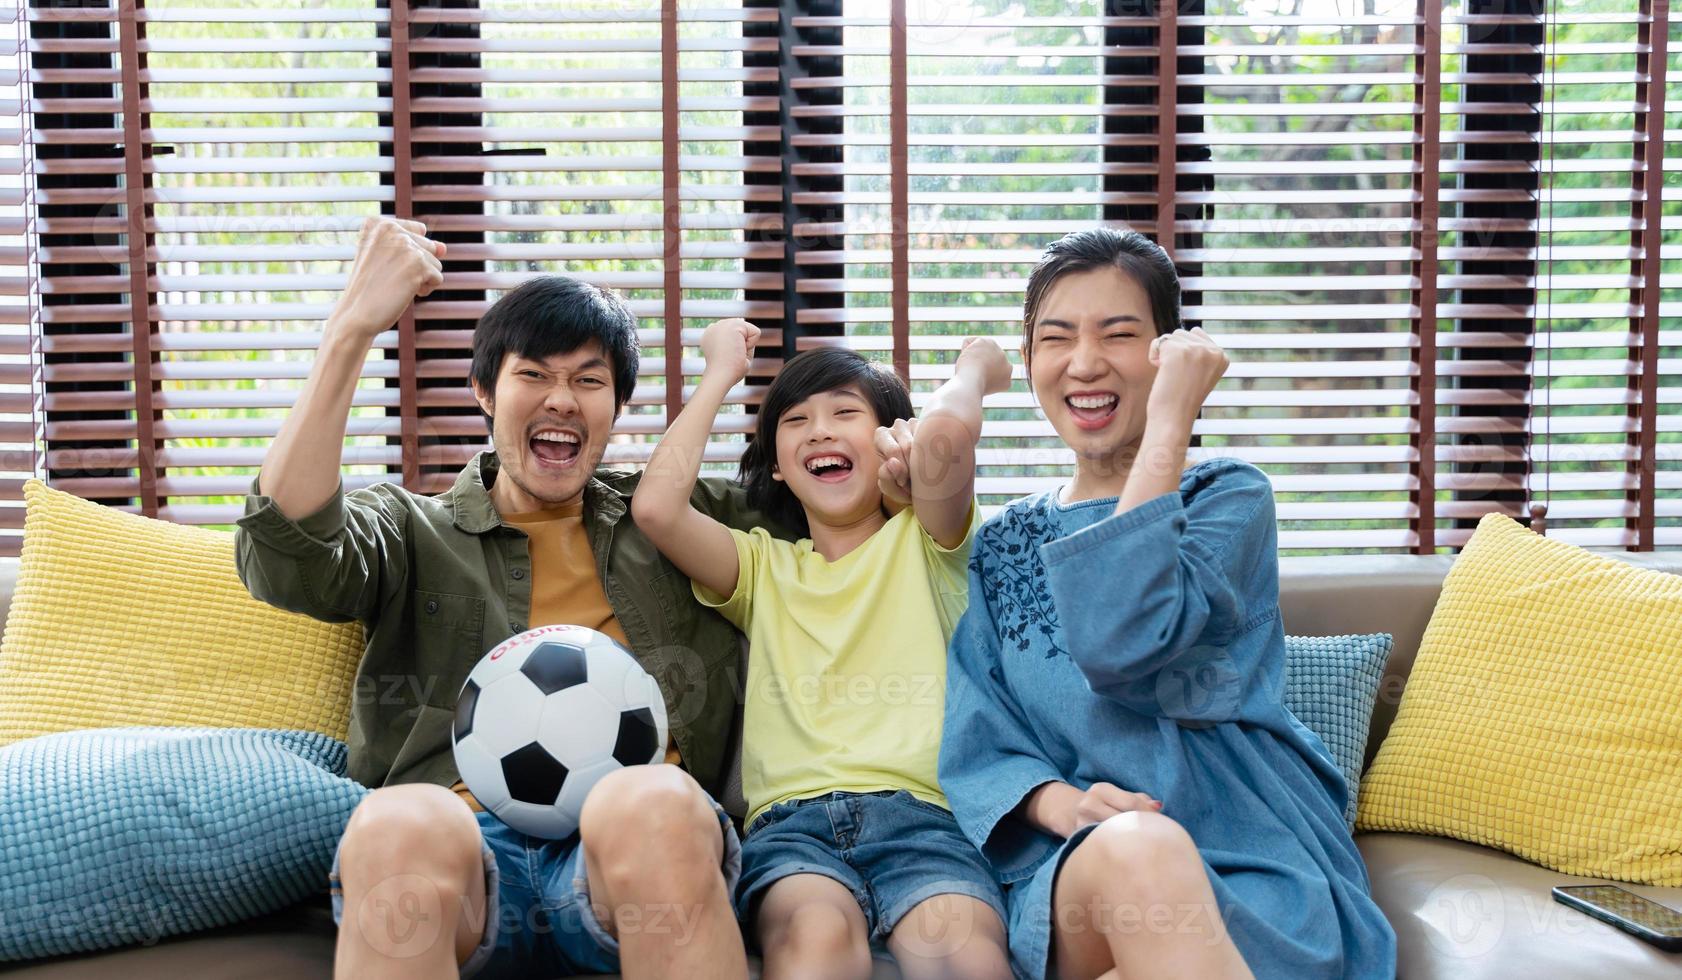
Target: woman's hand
x=1188 y=366
x=1101 y=801
x=728 y=347
x=1060 y=809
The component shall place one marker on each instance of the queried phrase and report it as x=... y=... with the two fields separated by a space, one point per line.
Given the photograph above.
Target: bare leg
x=951 y=937
x=1133 y=901
x=653 y=848
x=811 y=928
x=413 y=872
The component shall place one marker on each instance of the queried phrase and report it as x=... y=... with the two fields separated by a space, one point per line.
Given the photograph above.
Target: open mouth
x=555 y=447
x=830 y=467
x=1092 y=410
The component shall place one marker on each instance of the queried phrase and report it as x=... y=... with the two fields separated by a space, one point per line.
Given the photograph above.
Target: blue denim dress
x=1146 y=650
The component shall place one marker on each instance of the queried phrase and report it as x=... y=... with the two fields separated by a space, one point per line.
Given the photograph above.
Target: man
x=531 y=533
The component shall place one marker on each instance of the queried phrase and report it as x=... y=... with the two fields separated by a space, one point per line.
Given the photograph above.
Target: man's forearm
x=301 y=469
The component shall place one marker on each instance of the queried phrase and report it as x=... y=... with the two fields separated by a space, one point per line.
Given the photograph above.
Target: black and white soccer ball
x=544 y=716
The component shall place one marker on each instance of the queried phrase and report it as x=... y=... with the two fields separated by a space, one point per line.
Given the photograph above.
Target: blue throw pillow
x=1331 y=683
x=115 y=836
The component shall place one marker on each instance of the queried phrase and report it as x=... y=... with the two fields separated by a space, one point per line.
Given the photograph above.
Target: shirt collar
x=472 y=510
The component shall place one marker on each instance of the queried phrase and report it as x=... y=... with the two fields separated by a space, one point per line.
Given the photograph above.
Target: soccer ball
x=545 y=715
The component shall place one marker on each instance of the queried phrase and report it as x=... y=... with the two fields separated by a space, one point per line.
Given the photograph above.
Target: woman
x=1122 y=647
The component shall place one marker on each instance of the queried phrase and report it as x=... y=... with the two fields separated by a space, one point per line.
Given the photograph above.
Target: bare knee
x=651 y=817
x=977 y=960
x=414 y=829
x=1138 y=853
x=819 y=936
x=951 y=937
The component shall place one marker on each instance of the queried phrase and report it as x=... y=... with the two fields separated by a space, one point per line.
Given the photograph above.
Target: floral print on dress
x=1008 y=559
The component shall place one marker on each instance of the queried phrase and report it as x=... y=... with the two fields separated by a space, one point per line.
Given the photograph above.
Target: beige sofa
x=1460 y=911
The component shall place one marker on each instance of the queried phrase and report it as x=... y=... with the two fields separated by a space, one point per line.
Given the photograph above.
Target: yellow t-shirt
x=565 y=587
x=847 y=661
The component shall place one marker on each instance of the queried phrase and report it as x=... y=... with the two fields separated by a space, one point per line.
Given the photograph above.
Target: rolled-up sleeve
x=336 y=564
x=1152 y=600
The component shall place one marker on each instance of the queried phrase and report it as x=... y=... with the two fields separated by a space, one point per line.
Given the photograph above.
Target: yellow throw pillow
x=122 y=620
x=1543 y=715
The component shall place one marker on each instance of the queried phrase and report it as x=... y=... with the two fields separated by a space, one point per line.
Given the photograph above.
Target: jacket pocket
x=447 y=610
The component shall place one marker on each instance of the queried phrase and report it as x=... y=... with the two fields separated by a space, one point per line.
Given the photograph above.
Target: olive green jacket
x=436 y=582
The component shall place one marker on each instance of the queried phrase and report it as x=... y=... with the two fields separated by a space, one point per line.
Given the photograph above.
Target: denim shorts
x=890 y=849
x=538 y=916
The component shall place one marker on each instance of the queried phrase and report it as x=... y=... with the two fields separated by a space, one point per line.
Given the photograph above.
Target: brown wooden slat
x=403 y=206
x=1167 y=126
x=1648 y=165
x=131 y=37
x=672 y=234
x=1427 y=126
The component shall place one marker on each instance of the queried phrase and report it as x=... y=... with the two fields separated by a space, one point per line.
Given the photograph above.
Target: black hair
x=806 y=374
x=1139 y=258
x=551 y=315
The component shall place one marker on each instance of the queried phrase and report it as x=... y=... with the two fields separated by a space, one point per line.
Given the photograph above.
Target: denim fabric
x=1145 y=649
x=890 y=849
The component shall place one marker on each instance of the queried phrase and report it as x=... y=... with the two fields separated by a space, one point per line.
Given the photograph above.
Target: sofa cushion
x=1464 y=912
x=1541 y=713
x=1330 y=684
x=123 y=836
x=119 y=620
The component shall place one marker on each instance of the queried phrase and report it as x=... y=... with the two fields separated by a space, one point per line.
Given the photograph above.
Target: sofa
x=1460 y=911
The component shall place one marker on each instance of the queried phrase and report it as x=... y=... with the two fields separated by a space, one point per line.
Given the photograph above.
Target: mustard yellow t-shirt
x=847 y=661
x=565 y=587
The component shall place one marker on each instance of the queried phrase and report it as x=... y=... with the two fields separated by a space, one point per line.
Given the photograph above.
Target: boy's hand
x=727 y=346
x=395 y=262
x=1189 y=364
x=988 y=362
x=893 y=444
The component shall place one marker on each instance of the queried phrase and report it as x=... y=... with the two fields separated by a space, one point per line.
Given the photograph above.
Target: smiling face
x=550 y=419
x=827 y=457
x=1090 y=361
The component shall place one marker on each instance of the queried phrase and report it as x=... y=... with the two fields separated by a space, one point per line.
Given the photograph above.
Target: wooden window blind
x=18 y=285
x=1432 y=234
x=250 y=143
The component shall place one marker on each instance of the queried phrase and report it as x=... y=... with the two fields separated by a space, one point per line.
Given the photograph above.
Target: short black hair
x=1139 y=258
x=551 y=315
x=806 y=374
